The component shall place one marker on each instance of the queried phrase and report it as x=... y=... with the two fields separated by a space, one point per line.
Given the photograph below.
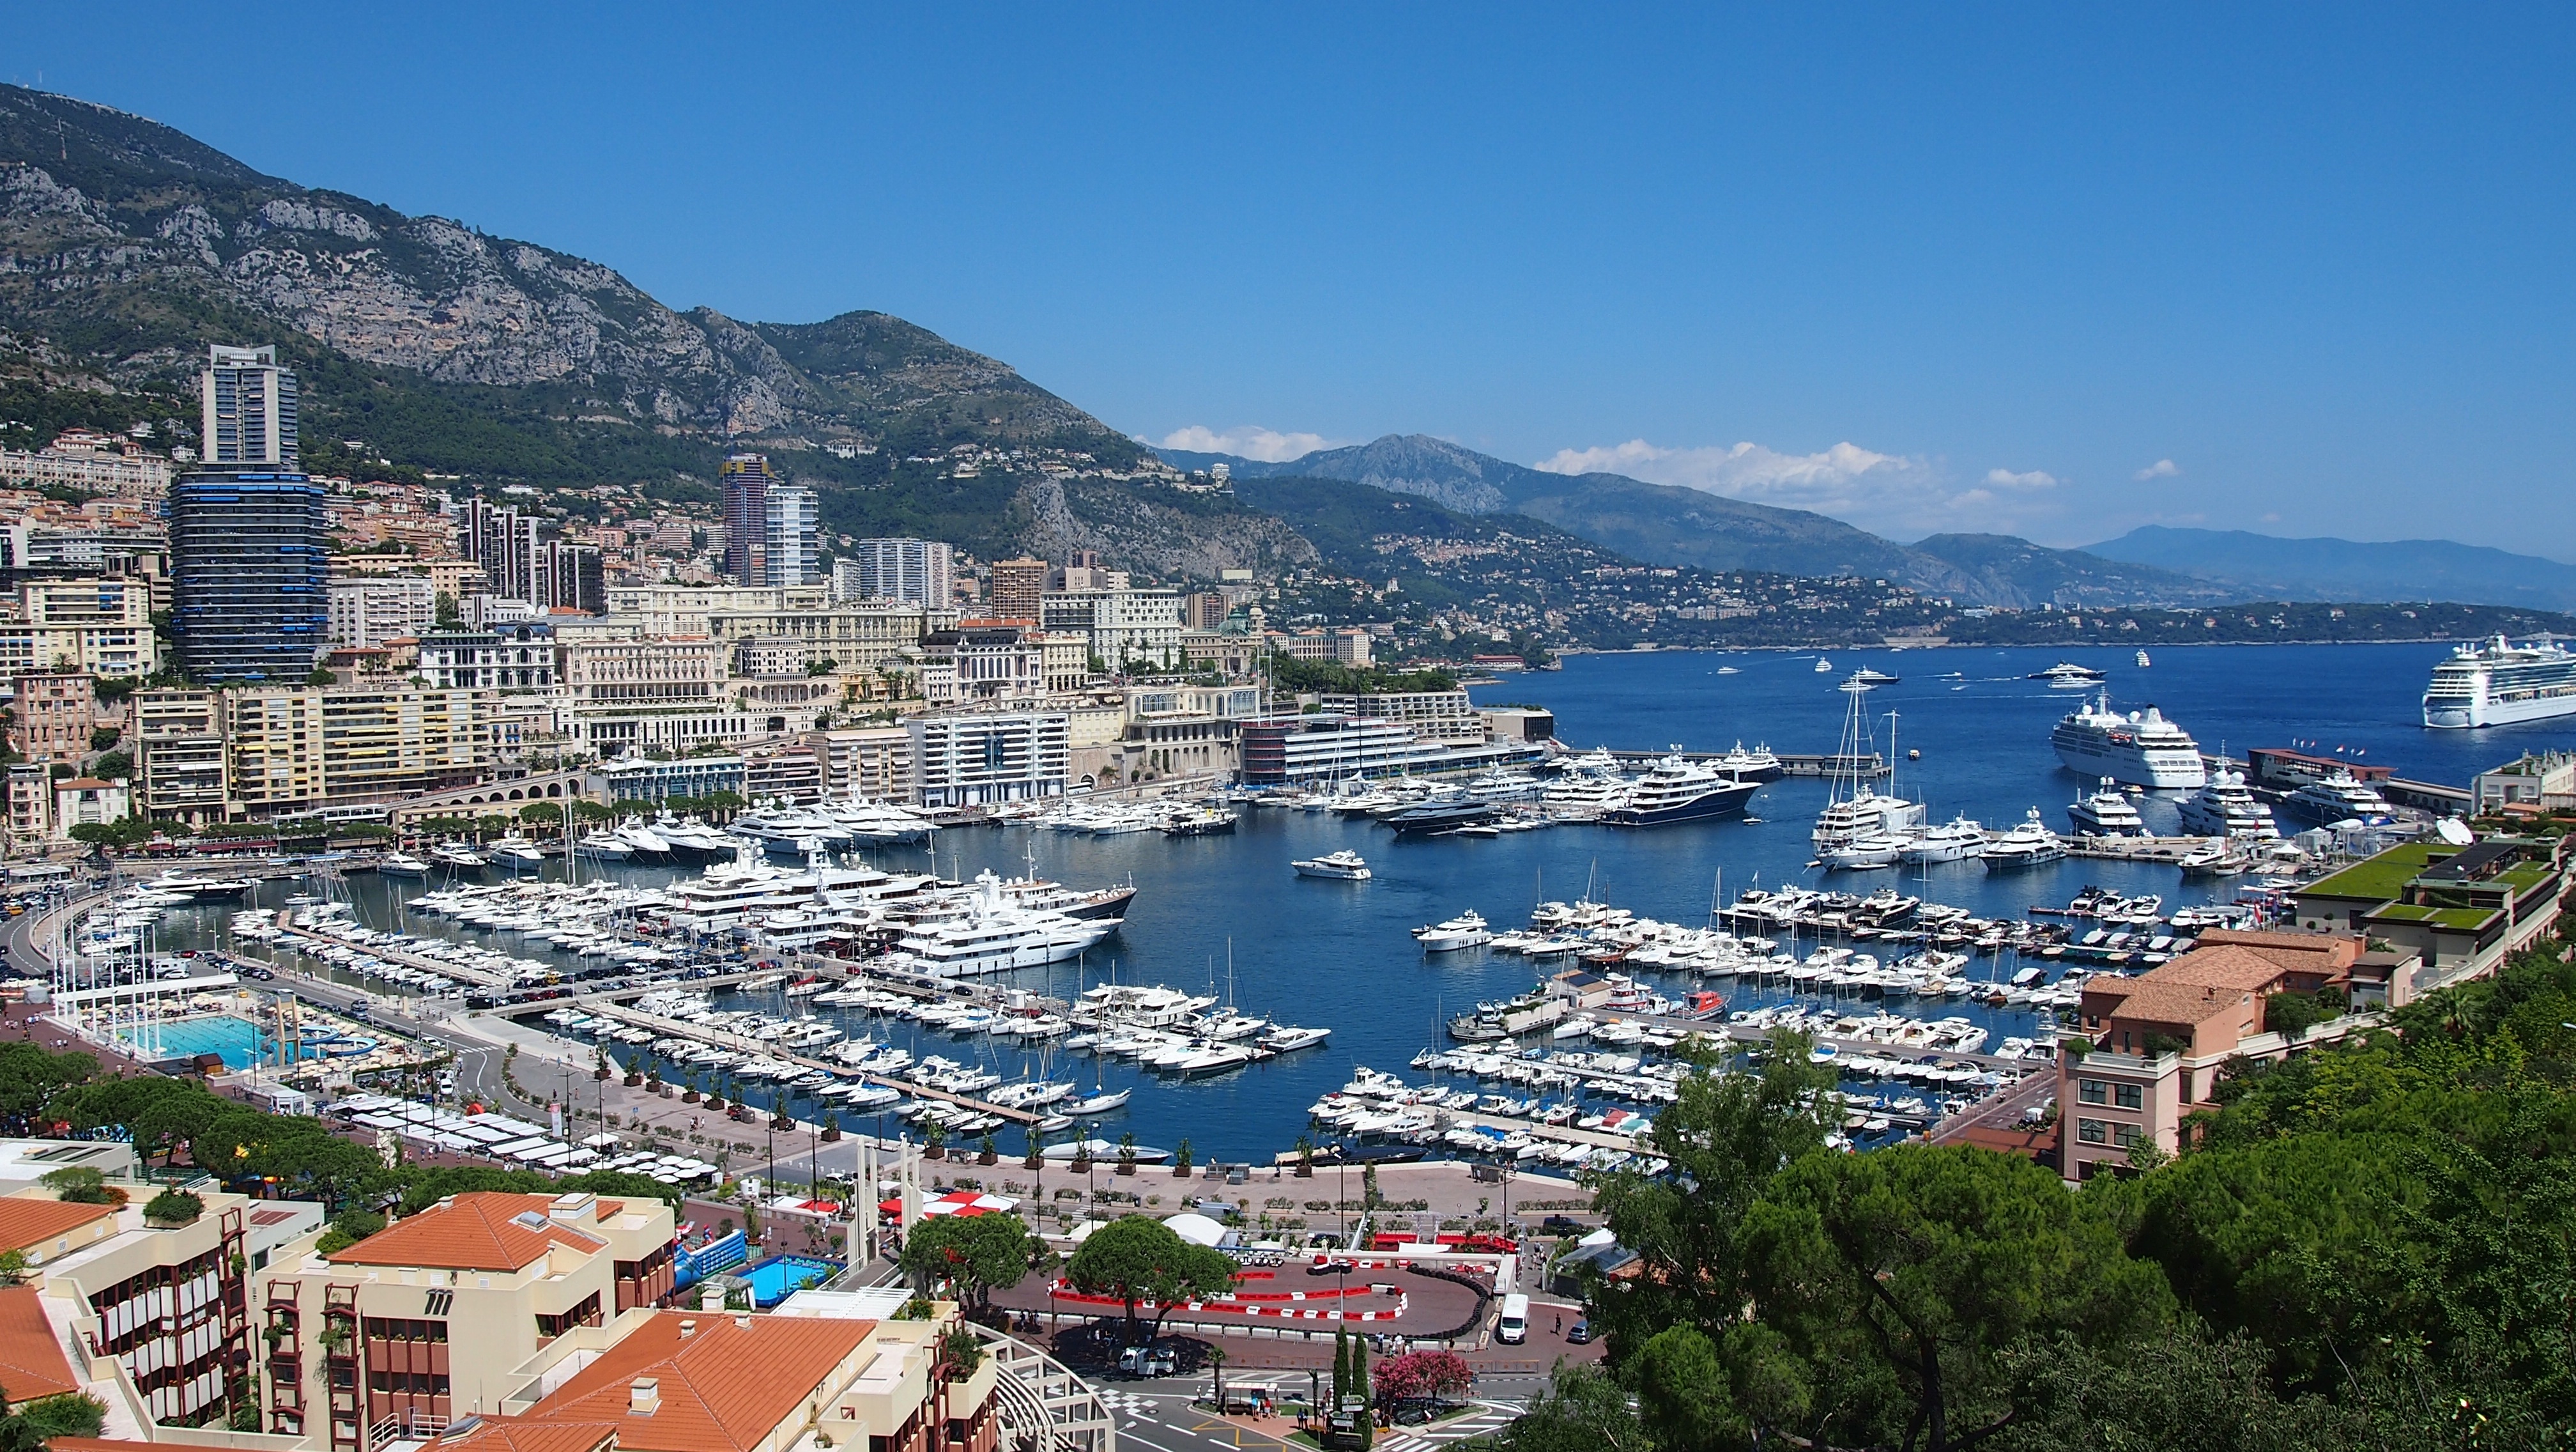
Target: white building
x=505 y=658
x=795 y=555
x=368 y=610
x=917 y=570
x=1447 y=717
x=1140 y=626
x=247 y=409
x=980 y=759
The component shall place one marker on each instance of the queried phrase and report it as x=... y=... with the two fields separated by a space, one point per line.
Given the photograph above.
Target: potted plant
x=171 y=1209
x=1181 y=1161
x=985 y=1154
x=1034 y=1160
x=1305 y=1157
x=936 y=1141
x=831 y=1129
x=1127 y=1153
x=690 y=1095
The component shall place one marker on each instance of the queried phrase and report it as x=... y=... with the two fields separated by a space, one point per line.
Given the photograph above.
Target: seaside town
x=1868 y=768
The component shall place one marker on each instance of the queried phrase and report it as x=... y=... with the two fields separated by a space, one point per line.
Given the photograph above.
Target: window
x=2127 y=1134
x=2092 y=1091
x=2129 y=1096
x=2093 y=1131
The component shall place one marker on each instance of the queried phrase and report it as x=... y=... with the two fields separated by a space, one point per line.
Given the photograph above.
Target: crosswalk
x=1488 y=1418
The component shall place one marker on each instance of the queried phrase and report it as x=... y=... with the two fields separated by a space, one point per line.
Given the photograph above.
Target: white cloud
x=2006 y=478
x=1249 y=442
x=1901 y=495
x=2160 y=469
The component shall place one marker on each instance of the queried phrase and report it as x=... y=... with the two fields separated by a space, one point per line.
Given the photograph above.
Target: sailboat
x=1864 y=812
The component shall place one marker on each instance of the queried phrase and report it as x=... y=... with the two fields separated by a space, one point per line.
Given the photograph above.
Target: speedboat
x=1467 y=930
x=1343 y=866
x=2106 y=813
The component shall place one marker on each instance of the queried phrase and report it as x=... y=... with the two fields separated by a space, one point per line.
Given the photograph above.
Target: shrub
x=174 y=1207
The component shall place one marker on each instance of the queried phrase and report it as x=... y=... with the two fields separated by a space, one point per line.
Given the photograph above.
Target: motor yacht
x=2224 y=808
x=1678 y=789
x=2106 y=813
x=2338 y=798
x=399 y=863
x=1956 y=840
x=2028 y=844
x=515 y=853
x=456 y=857
x=601 y=845
x=1467 y=930
x=2068 y=676
x=1343 y=866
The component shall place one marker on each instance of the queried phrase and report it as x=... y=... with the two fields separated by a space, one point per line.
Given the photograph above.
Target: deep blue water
x=1338 y=955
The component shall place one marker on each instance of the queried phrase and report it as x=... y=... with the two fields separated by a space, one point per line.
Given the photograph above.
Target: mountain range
x=428 y=346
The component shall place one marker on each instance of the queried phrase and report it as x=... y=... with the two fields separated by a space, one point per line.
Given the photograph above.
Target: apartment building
x=982 y=758
x=853 y=637
x=686 y=609
x=668 y=672
x=249 y=575
x=516 y=657
x=1123 y=626
x=428 y=1321
x=1341 y=647
x=368 y=610
x=1296 y=749
x=1019 y=589
x=874 y=762
x=164 y=1302
x=101 y=627
x=642 y=779
x=182 y=768
x=80 y=459
x=51 y=717
x=261 y=750
x=768 y=655
x=917 y=571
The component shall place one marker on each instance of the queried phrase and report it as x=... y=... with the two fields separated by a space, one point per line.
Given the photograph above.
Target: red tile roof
x=484 y=1230
x=32 y=1363
x=722 y=1389
x=26 y=1223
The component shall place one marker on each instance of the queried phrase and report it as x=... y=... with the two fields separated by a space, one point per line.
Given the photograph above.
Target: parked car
x=1149 y=1361
x=1578 y=1334
x=1562 y=1225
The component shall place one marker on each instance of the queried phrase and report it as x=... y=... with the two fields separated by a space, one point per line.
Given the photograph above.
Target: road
x=1171 y=1414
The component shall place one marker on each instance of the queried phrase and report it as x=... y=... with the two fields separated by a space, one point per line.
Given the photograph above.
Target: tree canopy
x=976 y=1255
x=1139 y=1259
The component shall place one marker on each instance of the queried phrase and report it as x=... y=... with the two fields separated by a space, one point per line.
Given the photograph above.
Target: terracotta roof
x=27 y=1222
x=32 y=1363
x=728 y=1386
x=2177 y=1003
x=2227 y=966
x=484 y=1230
x=527 y=1434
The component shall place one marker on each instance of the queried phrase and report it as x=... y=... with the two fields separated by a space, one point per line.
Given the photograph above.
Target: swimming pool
x=772 y=1280
x=239 y=1041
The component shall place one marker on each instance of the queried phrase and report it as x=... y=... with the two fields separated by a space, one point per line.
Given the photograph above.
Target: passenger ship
x=2141 y=748
x=2497 y=683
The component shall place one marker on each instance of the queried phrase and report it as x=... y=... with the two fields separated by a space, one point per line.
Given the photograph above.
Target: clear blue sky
x=2318 y=260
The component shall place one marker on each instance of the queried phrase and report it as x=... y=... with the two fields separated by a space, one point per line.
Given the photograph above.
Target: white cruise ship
x=2141 y=748
x=2497 y=683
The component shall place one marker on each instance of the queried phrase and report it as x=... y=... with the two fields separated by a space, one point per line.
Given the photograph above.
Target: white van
x=1513 y=1328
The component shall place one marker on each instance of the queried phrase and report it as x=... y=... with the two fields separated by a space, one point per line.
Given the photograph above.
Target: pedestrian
x=1560 y=1323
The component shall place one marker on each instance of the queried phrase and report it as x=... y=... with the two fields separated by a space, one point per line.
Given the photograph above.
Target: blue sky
x=2055 y=270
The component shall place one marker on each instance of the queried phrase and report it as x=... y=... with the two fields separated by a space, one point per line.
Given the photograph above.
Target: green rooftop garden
x=2458 y=920
x=2382 y=877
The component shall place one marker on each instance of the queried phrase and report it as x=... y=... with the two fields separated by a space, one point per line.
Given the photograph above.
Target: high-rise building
x=747 y=482
x=1019 y=589
x=913 y=570
x=794 y=523
x=520 y=564
x=250 y=582
x=247 y=410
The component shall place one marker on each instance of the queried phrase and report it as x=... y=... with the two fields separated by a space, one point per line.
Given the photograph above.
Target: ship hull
x=2456 y=715
x=1720 y=801
x=2130 y=768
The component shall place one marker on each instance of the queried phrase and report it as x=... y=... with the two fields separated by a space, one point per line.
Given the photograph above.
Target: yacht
x=2497 y=683
x=602 y=845
x=515 y=853
x=2028 y=845
x=1757 y=765
x=2141 y=748
x=399 y=863
x=2143 y=662
x=1344 y=866
x=1868 y=677
x=1824 y=667
x=1857 y=807
x=995 y=936
x=2106 y=813
x=456 y=857
x=645 y=846
x=2338 y=798
x=1868 y=851
x=1680 y=790
x=691 y=840
x=1467 y=930
x=2224 y=808
x=1953 y=841
x=2066 y=675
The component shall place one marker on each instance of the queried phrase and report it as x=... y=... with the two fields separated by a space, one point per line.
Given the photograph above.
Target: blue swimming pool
x=774 y=1279
x=240 y=1042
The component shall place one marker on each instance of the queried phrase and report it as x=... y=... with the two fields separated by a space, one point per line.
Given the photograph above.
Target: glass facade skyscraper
x=250 y=583
x=747 y=481
x=247 y=407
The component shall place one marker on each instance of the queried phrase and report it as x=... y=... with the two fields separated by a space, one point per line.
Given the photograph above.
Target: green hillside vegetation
x=2371 y=1244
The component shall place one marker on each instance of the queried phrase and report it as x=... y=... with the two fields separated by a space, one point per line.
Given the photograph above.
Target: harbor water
x=1225 y=915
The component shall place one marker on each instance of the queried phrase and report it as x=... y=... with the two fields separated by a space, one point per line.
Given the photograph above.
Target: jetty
x=2167 y=850
x=1870 y=767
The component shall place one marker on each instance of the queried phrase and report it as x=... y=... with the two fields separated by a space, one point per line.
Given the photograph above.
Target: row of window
x=2100 y=1091
x=2099 y=1131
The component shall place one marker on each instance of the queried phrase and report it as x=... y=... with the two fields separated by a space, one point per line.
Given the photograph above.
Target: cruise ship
x=1680 y=790
x=2141 y=748
x=2498 y=683
x=2224 y=808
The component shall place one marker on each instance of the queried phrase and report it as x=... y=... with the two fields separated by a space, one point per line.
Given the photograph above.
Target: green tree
x=77 y=1185
x=158 y=1115
x=546 y=813
x=1137 y=1259
x=1582 y=1410
x=975 y=1255
x=1897 y=1279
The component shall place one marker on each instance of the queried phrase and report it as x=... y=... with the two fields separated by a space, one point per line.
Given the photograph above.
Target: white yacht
x=1953 y=841
x=2067 y=676
x=1868 y=851
x=1759 y=764
x=515 y=853
x=456 y=857
x=996 y=937
x=2141 y=748
x=601 y=845
x=2224 y=808
x=399 y=863
x=2106 y=813
x=2498 y=683
x=1824 y=667
x=2338 y=798
x=1857 y=808
x=1467 y=930
x=1343 y=866
x=1680 y=790
x=2029 y=844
